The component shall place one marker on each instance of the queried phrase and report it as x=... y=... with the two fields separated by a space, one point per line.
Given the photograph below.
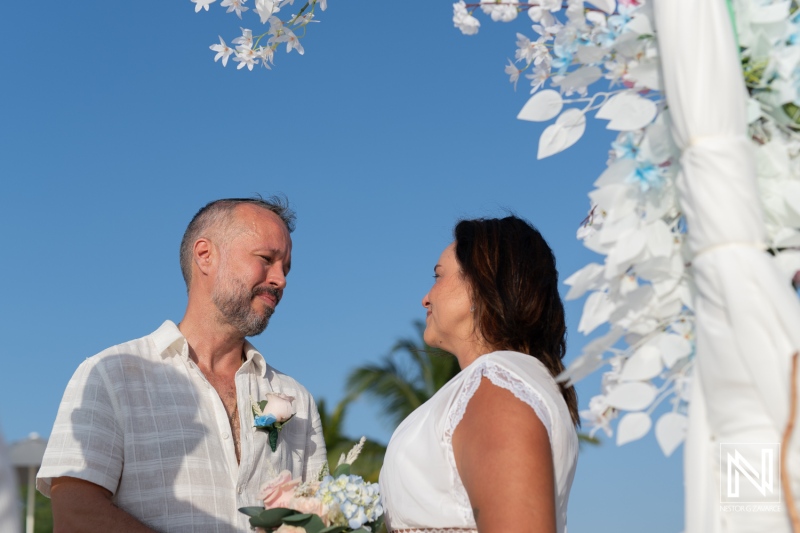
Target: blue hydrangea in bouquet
x=335 y=502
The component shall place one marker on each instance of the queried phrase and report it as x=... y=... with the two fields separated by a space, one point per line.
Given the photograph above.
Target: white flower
x=245 y=57
x=323 y=4
x=266 y=55
x=500 y=10
x=223 y=51
x=266 y=8
x=513 y=73
x=531 y=51
x=245 y=41
x=202 y=4
x=235 y=5
x=463 y=20
x=285 y=35
x=278 y=404
x=599 y=415
x=539 y=75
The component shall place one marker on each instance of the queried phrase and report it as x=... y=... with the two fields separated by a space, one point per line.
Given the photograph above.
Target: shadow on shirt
x=144 y=438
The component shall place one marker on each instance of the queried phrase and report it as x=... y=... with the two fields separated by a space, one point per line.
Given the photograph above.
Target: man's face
x=254 y=262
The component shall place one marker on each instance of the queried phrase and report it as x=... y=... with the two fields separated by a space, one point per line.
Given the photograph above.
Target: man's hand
x=79 y=505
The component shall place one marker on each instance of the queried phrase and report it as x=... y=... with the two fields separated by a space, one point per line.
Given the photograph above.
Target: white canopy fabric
x=748 y=318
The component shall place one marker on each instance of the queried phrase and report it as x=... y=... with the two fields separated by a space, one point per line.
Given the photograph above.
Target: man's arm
x=79 y=505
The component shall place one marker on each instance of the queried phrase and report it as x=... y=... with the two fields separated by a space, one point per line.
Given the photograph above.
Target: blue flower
x=625 y=147
x=264 y=420
x=647 y=176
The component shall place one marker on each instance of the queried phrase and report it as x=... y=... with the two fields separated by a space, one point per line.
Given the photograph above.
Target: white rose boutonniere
x=271 y=414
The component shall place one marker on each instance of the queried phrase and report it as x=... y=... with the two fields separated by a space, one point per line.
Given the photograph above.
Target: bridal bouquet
x=334 y=503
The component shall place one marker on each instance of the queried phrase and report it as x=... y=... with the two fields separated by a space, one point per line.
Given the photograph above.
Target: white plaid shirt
x=141 y=420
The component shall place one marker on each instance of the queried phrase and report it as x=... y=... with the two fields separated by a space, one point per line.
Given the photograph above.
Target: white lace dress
x=421 y=488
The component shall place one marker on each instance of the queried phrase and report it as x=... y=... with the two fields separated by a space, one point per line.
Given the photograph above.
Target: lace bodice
x=421 y=488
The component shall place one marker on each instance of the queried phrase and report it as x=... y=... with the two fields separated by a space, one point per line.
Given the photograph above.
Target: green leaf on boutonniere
x=273 y=439
x=269 y=518
x=251 y=511
x=310 y=522
x=342 y=470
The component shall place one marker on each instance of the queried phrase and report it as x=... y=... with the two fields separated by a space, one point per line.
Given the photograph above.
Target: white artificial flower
x=202 y=4
x=235 y=5
x=266 y=8
x=323 y=4
x=285 y=35
x=463 y=20
x=539 y=75
x=513 y=73
x=244 y=42
x=531 y=51
x=223 y=51
x=245 y=57
x=500 y=10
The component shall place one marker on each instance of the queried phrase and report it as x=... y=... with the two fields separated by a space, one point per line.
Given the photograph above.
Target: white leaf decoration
x=578 y=79
x=673 y=348
x=644 y=364
x=628 y=111
x=753 y=110
x=542 y=106
x=659 y=238
x=633 y=396
x=605 y=5
x=627 y=249
x=569 y=127
x=596 y=310
x=671 y=431
x=616 y=173
x=591 y=54
x=633 y=426
x=583 y=280
x=647 y=73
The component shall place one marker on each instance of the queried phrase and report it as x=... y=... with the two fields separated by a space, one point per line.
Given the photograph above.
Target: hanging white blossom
x=602 y=57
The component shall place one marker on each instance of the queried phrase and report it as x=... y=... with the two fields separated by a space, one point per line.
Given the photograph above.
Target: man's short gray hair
x=217 y=216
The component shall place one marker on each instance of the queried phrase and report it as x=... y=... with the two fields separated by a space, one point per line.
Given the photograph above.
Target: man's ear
x=204 y=254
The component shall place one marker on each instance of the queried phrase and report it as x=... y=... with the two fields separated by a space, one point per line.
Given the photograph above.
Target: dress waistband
x=435 y=530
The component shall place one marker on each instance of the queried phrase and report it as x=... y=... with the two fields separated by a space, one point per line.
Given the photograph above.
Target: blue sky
x=116 y=126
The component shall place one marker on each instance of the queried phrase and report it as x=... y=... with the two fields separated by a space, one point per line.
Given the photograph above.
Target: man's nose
x=275 y=277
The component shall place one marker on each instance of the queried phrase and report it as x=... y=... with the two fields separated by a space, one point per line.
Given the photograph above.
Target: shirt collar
x=168 y=336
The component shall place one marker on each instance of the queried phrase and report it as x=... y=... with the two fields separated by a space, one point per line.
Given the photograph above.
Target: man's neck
x=216 y=348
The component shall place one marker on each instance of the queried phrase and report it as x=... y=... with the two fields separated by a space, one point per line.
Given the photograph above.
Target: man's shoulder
x=142 y=349
x=285 y=383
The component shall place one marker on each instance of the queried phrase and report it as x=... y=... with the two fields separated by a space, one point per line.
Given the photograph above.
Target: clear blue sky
x=116 y=126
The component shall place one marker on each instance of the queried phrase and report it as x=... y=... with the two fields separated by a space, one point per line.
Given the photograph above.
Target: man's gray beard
x=235 y=307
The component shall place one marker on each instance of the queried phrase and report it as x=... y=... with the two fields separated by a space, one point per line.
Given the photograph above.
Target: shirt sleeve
x=87 y=439
x=316 y=454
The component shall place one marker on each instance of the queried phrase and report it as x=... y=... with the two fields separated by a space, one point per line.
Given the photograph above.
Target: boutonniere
x=271 y=414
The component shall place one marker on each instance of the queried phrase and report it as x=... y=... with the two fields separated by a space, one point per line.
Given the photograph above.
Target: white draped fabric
x=748 y=318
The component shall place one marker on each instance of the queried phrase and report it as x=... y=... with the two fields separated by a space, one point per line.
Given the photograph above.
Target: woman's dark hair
x=514 y=281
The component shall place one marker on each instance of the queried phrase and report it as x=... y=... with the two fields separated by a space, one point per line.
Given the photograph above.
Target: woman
x=495 y=449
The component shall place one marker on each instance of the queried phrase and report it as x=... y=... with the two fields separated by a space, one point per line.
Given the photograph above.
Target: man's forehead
x=256 y=220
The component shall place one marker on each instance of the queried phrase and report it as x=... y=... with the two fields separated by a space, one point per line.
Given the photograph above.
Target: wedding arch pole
x=748 y=318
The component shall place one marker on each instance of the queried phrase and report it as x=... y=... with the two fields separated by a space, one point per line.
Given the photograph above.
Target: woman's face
x=449 y=323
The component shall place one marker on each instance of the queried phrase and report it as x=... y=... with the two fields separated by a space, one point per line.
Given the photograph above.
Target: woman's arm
x=503 y=456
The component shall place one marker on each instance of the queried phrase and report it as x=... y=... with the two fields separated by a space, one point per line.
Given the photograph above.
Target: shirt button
x=239 y=489
x=225 y=436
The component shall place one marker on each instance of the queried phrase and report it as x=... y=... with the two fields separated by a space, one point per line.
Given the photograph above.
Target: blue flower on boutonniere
x=271 y=414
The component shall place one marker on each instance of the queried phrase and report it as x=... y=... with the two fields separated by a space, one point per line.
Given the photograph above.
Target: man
x=157 y=434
